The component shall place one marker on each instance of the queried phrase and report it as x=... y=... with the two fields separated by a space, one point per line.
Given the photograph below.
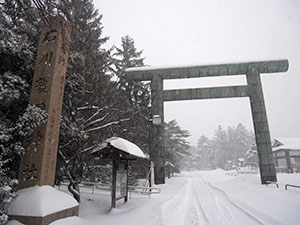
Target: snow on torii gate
x=253 y=90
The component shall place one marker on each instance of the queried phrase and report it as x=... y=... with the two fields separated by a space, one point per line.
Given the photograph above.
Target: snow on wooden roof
x=290 y=143
x=123 y=145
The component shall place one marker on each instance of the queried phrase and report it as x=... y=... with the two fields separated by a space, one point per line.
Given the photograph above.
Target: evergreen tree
x=202 y=142
x=126 y=57
x=95 y=107
x=134 y=97
x=176 y=144
x=240 y=139
x=202 y=159
x=230 y=146
x=226 y=149
x=221 y=147
x=88 y=92
x=252 y=157
x=19 y=35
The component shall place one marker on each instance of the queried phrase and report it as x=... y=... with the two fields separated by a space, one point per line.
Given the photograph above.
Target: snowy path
x=198 y=202
x=198 y=198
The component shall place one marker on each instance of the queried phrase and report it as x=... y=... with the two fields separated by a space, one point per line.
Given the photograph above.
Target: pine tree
x=220 y=146
x=202 y=142
x=88 y=92
x=252 y=157
x=18 y=45
x=126 y=57
x=240 y=139
x=202 y=159
x=134 y=97
x=230 y=145
x=176 y=144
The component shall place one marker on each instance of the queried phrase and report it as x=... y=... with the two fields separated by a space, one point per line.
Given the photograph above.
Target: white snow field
x=198 y=197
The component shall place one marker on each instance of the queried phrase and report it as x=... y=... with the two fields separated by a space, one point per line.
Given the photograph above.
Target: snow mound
x=40 y=201
x=74 y=220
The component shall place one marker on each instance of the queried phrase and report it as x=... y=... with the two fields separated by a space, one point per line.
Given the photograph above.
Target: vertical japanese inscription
x=38 y=163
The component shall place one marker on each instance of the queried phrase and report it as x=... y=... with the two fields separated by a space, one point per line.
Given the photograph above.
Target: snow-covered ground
x=198 y=197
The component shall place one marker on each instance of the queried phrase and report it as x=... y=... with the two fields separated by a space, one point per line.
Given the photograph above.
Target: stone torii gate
x=253 y=90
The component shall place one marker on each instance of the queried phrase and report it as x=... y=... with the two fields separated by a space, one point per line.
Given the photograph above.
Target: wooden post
x=288 y=161
x=114 y=183
x=126 y=168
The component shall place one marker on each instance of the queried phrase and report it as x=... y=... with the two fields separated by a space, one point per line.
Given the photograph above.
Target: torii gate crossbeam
x=253 y=90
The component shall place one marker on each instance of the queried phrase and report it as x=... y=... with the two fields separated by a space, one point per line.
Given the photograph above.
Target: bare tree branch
x=97 y=121
x=107 y=125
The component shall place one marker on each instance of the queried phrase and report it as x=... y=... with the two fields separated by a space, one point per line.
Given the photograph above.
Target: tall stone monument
x=37 y=167
x=38 y=164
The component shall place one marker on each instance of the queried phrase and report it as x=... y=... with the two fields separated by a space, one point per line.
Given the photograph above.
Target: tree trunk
x=73 y=187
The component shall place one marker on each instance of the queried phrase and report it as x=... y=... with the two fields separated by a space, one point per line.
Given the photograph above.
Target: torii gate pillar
x=158 y=150
x=261 y=127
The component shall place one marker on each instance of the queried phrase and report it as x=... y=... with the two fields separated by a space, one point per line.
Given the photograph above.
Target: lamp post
x=156 y=120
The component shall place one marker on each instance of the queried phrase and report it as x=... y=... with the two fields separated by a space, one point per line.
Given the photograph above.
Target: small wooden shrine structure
x=120 y=151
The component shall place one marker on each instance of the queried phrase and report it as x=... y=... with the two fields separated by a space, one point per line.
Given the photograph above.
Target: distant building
x=286 y=153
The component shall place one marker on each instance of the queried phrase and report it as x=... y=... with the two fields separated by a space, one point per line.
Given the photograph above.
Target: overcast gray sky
x=183 y=32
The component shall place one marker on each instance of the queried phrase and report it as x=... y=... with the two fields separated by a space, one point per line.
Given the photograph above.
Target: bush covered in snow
x=12 y=134
x=7 y=194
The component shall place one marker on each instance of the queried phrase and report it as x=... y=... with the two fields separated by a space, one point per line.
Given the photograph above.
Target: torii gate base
x=253 y=90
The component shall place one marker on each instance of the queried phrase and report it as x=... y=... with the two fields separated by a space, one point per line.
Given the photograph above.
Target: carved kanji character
x=40 y=85
x=46 y=59
x=50 y=36
x=62 y=60
x=29 y=173
x=41 y=106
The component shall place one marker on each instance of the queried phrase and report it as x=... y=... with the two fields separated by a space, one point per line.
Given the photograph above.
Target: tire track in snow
x=174 y=209
x=247 y=209
x=199 y=209
x=200 y=203
x=213 y=208
x=182 y=209
x=227 y=211
x=232 y=202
